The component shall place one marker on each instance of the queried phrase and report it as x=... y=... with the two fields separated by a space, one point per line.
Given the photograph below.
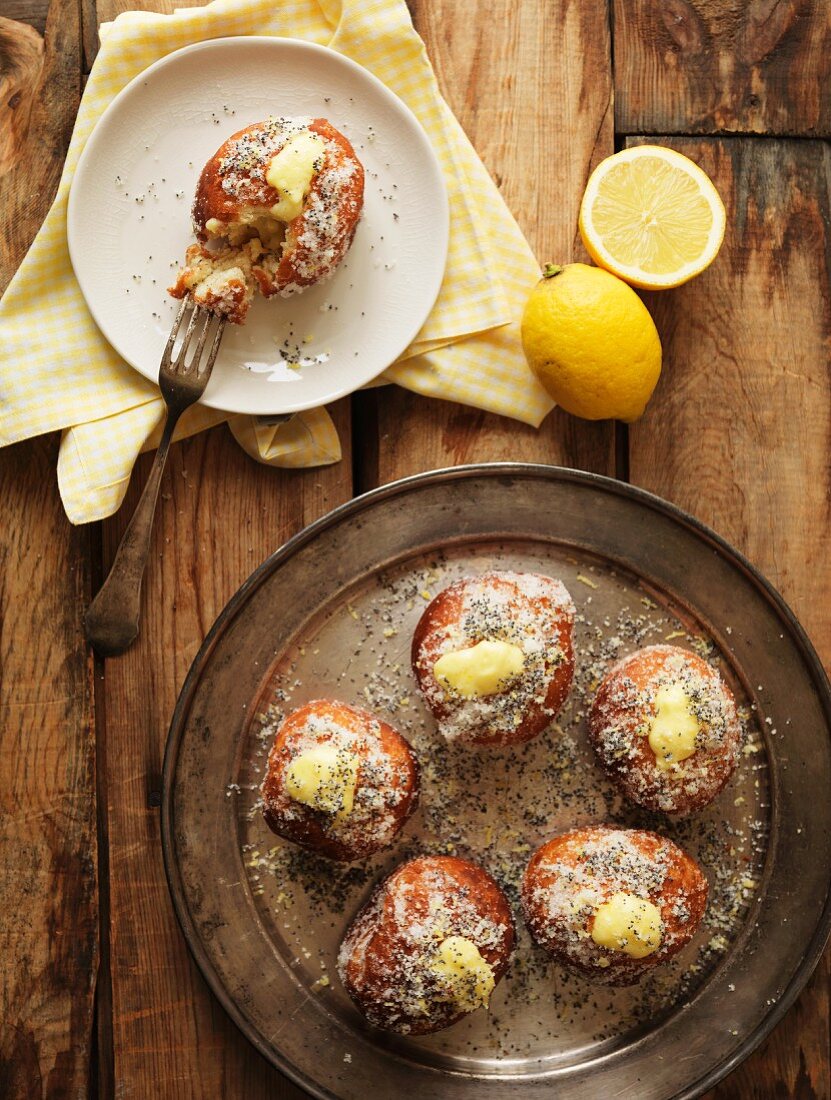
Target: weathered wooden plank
x=31 y=12
x=40 y=94
x=21 y=68
x=109 y=9
x=48 y=894
x=704 y=66
x=48 y=884
x=531 y=84
x=402 y=433
x=219 y=515
x=89 y=34
x=739 y=433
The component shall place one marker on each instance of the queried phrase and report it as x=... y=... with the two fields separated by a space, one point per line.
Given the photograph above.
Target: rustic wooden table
x=98 y=995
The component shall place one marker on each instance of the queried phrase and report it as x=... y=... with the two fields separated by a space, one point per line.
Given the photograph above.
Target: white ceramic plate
x=129 y=219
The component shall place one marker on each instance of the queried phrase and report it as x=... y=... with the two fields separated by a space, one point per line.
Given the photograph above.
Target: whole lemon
x=591 y=342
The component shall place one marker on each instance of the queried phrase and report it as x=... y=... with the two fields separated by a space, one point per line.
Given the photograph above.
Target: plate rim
x=442 y=216
x=814 y=948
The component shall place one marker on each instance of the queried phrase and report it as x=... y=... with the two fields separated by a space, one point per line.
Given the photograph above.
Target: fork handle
x=112 y=619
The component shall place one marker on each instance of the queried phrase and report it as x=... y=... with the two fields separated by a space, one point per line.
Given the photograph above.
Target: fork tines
x=201 y=320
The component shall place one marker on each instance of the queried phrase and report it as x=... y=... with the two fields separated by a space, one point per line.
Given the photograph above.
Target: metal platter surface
x=331 y=614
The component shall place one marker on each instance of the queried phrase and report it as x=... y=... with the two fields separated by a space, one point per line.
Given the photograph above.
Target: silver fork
x=112 y=619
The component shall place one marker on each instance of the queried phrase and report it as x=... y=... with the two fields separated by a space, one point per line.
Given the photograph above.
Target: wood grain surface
x=48 y=882
x=48 y=896
x=745 y=384
x=531 y=85
x=706 y=66
x=738 y=433
x=40 y=82
x=21 y=68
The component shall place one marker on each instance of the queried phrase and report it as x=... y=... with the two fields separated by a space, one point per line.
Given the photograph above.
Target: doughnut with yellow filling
x=339 y=781
x=664 y=726
x=613 y=903
x=428 y=947
x=493 y=656
x=280 y=202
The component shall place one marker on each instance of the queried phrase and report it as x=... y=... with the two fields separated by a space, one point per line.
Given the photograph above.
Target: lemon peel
x=591 y=342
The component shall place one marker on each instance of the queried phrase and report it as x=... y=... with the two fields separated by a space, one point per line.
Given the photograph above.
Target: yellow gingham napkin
x=58 y=372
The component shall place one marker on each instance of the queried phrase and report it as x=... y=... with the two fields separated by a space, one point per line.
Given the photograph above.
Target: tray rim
x=814 y=949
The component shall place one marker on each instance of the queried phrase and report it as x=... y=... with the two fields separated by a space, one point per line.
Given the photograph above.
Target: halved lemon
x=652 y=217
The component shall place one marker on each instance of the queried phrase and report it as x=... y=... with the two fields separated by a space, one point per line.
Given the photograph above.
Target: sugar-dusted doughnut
x=493 y=656
x=339 y=780
x=282 y=198
x=613 y=903
x=428 y=947
x=664 y=725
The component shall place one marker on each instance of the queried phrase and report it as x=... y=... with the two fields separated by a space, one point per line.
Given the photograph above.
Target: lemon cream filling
x=290 y=173
x=465 y=976
x=482 y=669
x=674 y=727
x=324 y=778
x=629 y=924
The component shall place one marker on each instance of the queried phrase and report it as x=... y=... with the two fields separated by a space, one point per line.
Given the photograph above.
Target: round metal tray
x=331 y=613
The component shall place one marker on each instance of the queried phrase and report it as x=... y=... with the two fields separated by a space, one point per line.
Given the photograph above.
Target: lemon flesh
x=651 y=216
x=592 y=343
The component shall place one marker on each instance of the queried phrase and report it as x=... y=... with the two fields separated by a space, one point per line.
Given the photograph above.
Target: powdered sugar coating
x=387 y=786
x=569 y=877
x=619 y=721
x=242 y=163
x=385 y=957
x=318 y=238
x=529 y=610
x=234 y=201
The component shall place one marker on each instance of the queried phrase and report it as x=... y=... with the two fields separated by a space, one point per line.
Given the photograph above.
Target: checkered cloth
x=58 y=372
